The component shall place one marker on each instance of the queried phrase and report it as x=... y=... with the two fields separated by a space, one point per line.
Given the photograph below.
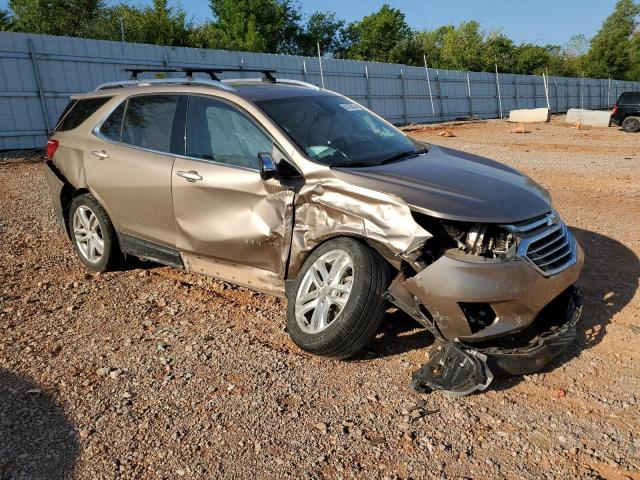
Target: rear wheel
x=631 y=124
x=92 y=233
x=336 y=304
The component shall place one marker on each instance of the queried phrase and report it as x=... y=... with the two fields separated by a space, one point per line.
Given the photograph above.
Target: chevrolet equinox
x=300 y=192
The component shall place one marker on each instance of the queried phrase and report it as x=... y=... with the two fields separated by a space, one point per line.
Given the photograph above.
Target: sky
x=541 y=22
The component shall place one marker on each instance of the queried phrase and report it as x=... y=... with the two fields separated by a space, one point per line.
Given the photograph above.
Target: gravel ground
x=153 y=373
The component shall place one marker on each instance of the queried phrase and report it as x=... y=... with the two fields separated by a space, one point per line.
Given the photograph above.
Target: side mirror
x=268 y=168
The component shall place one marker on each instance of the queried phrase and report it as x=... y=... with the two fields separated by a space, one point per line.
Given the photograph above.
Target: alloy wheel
x=324 y=291
x=88 y=234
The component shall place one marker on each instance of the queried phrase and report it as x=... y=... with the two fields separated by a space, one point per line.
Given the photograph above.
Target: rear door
x=225 y=212
x=130 y=161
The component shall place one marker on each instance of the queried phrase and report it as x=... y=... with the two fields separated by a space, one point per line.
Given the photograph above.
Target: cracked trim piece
x=455 y=369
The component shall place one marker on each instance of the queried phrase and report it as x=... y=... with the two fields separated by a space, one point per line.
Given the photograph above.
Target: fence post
x=404 y=98
x=609 y=94
x=320 y=62
x=499 y=95
x=34 y=62
x=515 y=89
x=368 y=86
x=469 y=93
x=426 y=68
x=304 y=69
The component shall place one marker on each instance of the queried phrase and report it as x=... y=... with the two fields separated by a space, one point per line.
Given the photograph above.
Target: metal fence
x=38 y=73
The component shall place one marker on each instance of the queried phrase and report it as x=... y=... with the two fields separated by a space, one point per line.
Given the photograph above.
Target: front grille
x=546 y=243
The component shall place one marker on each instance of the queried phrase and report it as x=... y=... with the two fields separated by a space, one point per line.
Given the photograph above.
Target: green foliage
x=376 y=35
x=276 y=26
x=257 y=25
x=611 y=48
x=5 y=21
x=157 y=24
x=55 y=17
x=323 y=28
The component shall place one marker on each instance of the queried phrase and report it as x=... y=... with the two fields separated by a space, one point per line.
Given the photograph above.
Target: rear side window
x=148 y=122
x=112 y=127
x=79 y=111
x=630 y=98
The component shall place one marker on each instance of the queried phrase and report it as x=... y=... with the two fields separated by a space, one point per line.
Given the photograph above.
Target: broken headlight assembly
x=473 y=242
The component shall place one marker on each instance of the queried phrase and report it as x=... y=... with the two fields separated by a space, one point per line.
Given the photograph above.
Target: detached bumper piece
x=460 y=369
x=455 y=370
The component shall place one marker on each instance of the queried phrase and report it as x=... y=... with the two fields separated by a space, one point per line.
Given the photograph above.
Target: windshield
x=338 y=132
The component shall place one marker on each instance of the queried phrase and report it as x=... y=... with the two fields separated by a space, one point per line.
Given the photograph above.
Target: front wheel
x=336 y=304
x=631 y=124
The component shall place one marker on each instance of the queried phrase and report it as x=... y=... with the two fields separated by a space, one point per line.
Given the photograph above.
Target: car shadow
x=37 y=440
x=399 y=333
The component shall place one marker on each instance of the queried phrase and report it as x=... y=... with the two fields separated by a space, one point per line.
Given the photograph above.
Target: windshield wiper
x=401 y=155
x=354 y=164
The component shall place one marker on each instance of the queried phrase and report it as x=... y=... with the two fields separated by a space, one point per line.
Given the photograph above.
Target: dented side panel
x=232 y=215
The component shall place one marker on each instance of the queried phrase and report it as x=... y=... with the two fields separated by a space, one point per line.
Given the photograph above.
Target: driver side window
x=219 y=132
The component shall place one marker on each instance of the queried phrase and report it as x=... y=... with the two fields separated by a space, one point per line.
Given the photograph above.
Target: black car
x=626 y=112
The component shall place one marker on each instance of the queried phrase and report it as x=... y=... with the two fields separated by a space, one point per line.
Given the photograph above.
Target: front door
x=230 y=222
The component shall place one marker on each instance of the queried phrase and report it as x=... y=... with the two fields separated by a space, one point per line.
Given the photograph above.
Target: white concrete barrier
x=592 y=118
x=530 y=115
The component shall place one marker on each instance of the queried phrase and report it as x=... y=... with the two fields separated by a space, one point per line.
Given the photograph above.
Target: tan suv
x=282 y=187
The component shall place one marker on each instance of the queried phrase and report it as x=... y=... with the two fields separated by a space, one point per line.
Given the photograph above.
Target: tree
x=611 y=48
x=156 y=24
x=462 y=47
x=323 y=28
x=634 y=71
x=498 y=50
x=5 y=21
x=375 y=36
x=531 y=59
x=257 y=25
x=73 y=18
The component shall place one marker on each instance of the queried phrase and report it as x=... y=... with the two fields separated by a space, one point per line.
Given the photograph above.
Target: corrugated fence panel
x=38 y=73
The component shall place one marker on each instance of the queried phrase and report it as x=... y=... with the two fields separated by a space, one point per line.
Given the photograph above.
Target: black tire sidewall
x=366 y=289
x=106 y=228
x=631 y=124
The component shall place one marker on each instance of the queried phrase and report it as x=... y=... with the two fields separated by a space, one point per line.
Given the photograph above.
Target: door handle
x=101 y=154
x=191 y=175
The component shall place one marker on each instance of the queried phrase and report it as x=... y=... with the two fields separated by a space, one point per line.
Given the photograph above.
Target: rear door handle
x=101 y=154
x=191 y=175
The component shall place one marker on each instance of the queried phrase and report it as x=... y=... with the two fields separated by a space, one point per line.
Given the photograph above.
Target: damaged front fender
x=327 y=208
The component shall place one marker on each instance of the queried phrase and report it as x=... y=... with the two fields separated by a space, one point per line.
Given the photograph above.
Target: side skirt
x=138 y=247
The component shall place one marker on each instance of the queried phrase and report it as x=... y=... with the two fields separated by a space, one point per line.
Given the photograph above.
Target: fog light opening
x=479 y=315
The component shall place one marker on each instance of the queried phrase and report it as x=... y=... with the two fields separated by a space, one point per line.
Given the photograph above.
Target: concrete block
x=530 y=115
x=592 y=118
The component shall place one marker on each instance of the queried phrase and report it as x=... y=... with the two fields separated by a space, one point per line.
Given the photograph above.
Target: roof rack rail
x=164 y=81
x=286 y=81
x=212 y=72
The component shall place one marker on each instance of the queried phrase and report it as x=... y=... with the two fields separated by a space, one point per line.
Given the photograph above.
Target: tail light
x=52 y=146
x=615 y=109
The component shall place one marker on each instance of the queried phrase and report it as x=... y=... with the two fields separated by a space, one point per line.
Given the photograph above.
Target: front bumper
x=515 y=291
x=459 y=369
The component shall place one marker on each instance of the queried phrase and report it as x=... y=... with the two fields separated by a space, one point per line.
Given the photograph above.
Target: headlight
x=489 y=241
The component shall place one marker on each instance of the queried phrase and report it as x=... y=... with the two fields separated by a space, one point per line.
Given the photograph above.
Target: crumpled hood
x=455 y=185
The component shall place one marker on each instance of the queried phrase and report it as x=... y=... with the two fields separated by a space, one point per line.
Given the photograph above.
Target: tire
x=350 y=326
x=631 y=124
x=99 y=226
